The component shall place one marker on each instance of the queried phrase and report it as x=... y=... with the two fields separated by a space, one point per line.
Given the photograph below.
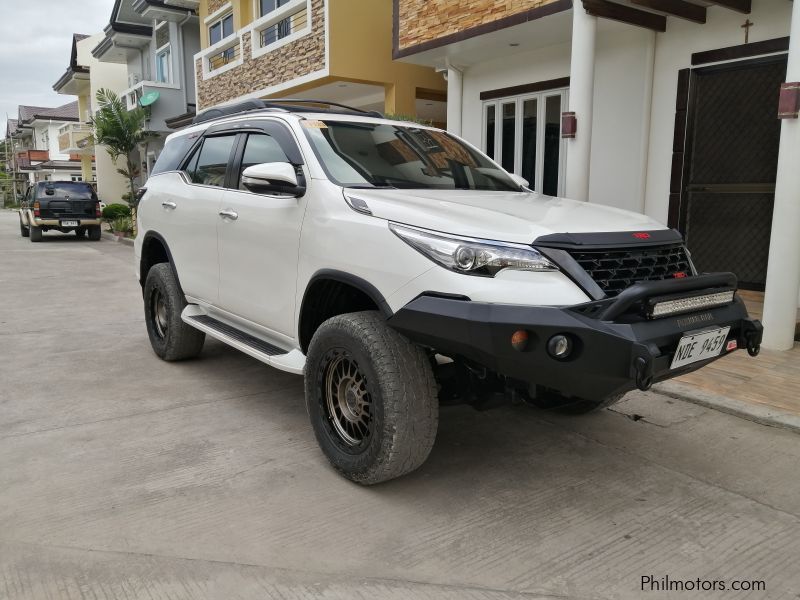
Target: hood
x=503 y=216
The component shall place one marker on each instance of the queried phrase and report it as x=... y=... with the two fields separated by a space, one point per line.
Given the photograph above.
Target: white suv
x=395 y=266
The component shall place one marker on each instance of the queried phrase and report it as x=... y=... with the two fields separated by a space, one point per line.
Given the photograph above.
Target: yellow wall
x=361 y=49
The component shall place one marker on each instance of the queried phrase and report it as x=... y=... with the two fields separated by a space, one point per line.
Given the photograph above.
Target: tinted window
x=59 y=189
x=172 y=154
x=261 y=149
x=220 y=30
x=209 y=165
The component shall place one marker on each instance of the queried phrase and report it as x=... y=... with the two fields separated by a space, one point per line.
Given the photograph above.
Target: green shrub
x=122 y=224
x=115 y=211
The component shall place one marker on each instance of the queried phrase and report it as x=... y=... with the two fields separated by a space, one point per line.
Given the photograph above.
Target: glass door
x=523 y=134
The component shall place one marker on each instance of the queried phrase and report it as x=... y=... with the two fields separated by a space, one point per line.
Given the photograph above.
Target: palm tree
x=121 y=131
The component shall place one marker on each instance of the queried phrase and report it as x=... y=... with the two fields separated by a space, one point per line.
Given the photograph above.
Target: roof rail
x=284 y=104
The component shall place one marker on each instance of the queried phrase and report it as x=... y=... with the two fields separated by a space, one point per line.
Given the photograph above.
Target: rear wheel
x=23 y=231
x=94 y=233
x=80 y=232
x=35 y=234
x=170 y=337
x=371 y=398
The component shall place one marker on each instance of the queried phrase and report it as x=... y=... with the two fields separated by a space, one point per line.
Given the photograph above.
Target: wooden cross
x=746 y=26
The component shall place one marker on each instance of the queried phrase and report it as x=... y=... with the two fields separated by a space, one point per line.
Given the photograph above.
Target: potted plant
x=121 y=226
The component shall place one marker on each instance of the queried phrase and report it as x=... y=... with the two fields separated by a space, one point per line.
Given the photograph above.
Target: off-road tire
x=176 y=341
x=95 y=233
x=23 y=231
x=404 y=410
x=35 y=233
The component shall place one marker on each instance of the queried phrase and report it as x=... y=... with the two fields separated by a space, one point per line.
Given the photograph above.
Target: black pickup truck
x=61 y=206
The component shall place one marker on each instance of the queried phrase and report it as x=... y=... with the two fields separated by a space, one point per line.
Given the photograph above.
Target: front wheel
x=170 y=337
x=35 y=233
x=371 y=398
x=80 y=232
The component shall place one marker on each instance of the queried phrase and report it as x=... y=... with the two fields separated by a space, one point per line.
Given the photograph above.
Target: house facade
x=665 y=107
x=83 y=77
x=156 y=42
x=314 y=49
x=36 y=152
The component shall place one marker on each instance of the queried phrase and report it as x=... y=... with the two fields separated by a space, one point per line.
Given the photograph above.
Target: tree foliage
x=121 y=131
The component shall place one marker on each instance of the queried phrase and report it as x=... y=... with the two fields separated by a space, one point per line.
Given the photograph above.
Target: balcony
x=76 y=138
x=162 y=101
x=29 y=157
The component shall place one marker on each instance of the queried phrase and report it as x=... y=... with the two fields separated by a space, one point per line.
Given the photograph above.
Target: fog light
x=519 y=340
x=559 y=346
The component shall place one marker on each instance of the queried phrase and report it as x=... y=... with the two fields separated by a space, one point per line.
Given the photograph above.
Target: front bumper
x=616 y=350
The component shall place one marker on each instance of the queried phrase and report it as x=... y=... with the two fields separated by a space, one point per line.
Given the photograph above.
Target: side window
x=173 y=153
x=260 y=148
x=210 y=162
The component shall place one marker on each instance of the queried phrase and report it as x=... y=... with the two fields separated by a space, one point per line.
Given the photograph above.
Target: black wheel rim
x=346 y=400
x=158 y=309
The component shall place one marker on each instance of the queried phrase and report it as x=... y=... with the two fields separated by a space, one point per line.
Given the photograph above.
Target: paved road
x=125 y=477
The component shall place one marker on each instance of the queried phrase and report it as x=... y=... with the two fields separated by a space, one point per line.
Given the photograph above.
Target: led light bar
x=664 y=308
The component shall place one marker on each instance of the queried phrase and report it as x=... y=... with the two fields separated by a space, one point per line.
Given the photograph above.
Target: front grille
x=617 y=269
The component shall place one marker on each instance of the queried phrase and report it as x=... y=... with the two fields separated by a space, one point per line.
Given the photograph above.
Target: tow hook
x=753 y=347
x=752 y=331
x=644 y=376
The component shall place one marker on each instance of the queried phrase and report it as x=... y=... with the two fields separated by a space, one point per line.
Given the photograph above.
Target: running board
x=292 y=361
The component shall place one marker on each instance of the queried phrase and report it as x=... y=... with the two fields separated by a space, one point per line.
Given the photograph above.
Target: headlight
x=471 y=256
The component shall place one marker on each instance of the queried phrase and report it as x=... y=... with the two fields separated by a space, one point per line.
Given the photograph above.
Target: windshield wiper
x=381 y=186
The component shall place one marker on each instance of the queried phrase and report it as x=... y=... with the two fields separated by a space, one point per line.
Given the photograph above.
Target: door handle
x=171 y=205
x=229 y=214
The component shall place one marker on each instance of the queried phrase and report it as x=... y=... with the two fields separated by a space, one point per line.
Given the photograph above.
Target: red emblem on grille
x=641 y=235
x=679 y=275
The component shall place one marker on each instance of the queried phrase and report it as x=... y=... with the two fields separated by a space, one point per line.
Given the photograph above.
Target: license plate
x=699 y=346
x=69 y=223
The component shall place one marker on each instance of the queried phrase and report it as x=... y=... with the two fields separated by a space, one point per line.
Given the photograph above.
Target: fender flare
x=353 y=280
x=153 y=235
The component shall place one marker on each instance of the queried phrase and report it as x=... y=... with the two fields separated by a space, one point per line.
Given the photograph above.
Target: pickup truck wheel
x=23 y=231
x=371 y=398
x=80 y=232
x=35 y=234
x=170 y=337
x=95 y=233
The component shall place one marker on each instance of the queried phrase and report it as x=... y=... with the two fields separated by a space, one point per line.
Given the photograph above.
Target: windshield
x=62 y=189
x=408 y=157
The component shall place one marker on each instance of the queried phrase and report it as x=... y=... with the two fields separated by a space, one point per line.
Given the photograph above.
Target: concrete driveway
x=125 y=477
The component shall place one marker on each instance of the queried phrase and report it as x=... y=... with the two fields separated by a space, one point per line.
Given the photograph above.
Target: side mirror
x=273 y=178
x=519 y=179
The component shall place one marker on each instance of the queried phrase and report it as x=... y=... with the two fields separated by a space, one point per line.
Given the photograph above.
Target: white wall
x=617 y=167
x=673 y=52
x=110 y=184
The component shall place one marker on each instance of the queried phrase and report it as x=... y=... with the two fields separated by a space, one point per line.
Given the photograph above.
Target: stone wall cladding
x=215 y=5
x=423 y=21
x=295 y=59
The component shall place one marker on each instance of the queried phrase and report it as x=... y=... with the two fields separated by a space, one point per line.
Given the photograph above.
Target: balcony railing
x=28 y=157
x=75 y=138
x=223 y=57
